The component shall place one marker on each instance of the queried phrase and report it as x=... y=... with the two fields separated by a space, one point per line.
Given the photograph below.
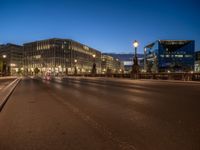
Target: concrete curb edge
x=6 y=97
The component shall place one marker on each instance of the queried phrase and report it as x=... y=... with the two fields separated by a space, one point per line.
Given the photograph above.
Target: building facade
x=60 y=57
x=11 y=59
x=169 y=56
x=127 y=60
x=110 y=65
x=197 y=61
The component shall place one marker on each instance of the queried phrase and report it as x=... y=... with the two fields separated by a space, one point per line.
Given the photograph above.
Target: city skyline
x=109 y=26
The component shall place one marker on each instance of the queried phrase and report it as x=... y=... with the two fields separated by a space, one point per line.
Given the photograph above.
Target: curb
x=172 y=81
x=8 y=93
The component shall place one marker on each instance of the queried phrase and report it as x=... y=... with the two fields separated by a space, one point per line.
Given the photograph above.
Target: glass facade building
x=197 y=61
x=169 y=56
x=60 y=57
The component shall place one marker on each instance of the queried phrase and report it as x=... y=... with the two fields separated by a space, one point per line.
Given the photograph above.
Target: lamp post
x=4 y=65
x=4 y=56
x=135 y=67
x=94 y=70
x=145 y=61
x=75 y=69
x=1 y=66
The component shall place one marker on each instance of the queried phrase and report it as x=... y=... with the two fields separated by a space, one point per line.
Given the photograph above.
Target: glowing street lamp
x=4 y=56
x=135 y=44
x=135 y=67
x=94 y=66
x=75 y=69
x=4 y=66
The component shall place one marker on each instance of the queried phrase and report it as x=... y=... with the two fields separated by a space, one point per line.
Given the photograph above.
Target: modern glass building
x=169 y=56
x=197 y=61
x=60 y=57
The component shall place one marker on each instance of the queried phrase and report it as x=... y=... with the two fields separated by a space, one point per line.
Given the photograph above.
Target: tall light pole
x=135 y=67
x=4 y=65
x=94 y=70
x=75 y=69
x=145 y=61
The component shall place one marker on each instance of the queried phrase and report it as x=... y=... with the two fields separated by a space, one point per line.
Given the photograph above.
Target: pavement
x=4 y=82
x=7 y=86
x=103 y=114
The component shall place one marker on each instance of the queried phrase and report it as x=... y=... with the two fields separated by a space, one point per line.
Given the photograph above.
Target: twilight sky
x=107 y=25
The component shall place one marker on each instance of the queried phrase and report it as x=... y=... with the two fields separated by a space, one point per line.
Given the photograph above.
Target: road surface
x=101 y=115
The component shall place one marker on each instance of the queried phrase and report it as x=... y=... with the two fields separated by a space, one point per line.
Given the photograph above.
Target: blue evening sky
x=107 y=25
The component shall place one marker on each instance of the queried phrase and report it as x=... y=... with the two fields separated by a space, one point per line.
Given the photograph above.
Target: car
x=47 y=76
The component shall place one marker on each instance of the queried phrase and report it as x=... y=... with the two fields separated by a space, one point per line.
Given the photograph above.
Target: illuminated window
x=162 y=56
x=188 y=56
x=179 y=56
x=38 y=56
x=167 y=56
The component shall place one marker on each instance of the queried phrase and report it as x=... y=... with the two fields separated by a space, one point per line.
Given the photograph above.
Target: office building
x=11 y=59
x=127 y=60
x=169 y=56
x=60 y=57
x=197 y=61
x=110 y=65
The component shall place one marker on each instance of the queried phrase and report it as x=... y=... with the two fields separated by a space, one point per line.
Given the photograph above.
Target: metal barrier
x=171 y=76
x=162 y=76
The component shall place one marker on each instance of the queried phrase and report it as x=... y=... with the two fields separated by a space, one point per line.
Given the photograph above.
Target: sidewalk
x=6 y=91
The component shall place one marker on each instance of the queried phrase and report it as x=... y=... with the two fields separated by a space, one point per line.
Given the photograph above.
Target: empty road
x=101 y=114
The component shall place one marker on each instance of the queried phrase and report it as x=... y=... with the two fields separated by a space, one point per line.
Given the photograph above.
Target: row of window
x=176 y=56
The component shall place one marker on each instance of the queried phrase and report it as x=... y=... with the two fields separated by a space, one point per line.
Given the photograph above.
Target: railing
x=162 y=76
x=171 y=76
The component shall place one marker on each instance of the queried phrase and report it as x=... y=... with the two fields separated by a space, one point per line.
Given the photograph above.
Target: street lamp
x=135 y=67
x=4 y=65
x=94 y=70
x=4 y=56
x=145 y=61
x=135 y=44
x=75 y=69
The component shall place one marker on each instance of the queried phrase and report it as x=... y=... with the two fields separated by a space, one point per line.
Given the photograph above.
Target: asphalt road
x=101 y=115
